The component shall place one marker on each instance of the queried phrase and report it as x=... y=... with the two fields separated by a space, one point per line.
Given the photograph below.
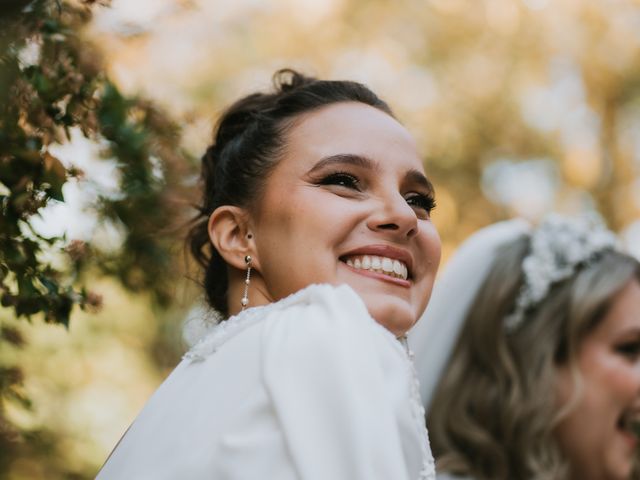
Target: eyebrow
x=417 y=177
x=632 y=331
x=413 y=176
x=348 y=159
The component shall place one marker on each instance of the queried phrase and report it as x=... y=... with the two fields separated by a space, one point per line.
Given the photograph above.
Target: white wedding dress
x=310 y=387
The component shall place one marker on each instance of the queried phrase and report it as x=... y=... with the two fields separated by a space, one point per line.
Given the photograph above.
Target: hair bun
x=287 y=79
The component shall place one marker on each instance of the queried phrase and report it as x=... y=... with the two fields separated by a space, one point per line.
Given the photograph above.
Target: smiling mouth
x=378 y=264
x=630 y=423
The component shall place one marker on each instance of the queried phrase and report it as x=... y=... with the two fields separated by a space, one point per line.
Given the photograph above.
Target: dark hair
x=248 y=141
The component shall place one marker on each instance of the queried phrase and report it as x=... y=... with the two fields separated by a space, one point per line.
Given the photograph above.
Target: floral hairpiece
x=559 y=246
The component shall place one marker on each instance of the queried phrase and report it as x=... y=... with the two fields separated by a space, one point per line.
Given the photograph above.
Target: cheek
x=313 y=214
x=626 y=381
x=612 y=375
x=430 y=241
x=604 y=388
x=578 y=439
x=299 y=246
x=430 y=250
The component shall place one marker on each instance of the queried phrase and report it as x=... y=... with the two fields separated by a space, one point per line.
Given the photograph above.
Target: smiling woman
x=349 y=185
x=316 y=240
x=544 y=379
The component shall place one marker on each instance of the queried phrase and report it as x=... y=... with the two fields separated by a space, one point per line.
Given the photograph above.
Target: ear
x=229 y=232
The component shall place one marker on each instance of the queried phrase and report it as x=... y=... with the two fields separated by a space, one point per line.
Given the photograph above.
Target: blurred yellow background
x=520 y=107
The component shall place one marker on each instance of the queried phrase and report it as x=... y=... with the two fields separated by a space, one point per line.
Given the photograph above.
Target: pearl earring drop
x=245 y=296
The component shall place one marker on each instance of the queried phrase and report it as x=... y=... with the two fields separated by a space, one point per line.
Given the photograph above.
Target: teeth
x=388 y=266
x=397 y=267
x=375 y=263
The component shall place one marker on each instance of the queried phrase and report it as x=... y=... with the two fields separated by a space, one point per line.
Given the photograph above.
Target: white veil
x=434 y=336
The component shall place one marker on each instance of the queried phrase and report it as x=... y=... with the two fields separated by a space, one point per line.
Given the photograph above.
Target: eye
x=341 y=179
x=422 y=202
x=631 y=350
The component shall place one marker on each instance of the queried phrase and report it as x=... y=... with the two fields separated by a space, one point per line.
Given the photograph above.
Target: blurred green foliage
x=52 y=81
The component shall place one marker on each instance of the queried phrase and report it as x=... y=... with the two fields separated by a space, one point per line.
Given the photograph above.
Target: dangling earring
x=245 y=296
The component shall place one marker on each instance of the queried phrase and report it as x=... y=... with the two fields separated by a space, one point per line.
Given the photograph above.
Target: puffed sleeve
x=338 y=385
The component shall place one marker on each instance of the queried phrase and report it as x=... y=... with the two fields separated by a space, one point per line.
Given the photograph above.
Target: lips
x=629 y=422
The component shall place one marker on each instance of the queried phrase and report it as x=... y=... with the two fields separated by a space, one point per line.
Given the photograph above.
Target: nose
x=394 y=215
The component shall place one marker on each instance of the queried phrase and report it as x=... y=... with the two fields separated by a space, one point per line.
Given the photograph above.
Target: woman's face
x=597 y=435
x=349 y=203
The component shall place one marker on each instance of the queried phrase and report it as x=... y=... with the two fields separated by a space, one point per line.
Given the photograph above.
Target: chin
x=623 y=470
x=394 y=316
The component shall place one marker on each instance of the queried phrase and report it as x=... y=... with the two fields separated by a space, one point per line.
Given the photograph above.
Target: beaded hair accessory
x=559 y=246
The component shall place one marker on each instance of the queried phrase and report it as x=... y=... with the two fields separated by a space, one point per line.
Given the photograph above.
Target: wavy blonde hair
x=493 y=413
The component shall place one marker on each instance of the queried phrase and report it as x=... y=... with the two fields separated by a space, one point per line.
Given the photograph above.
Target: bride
x=316 y=241
x=537 y=348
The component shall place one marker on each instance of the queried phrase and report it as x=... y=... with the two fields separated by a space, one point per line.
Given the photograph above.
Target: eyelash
x=425 y=202
x=629 y=349
x=346 y=180
x=341 y=179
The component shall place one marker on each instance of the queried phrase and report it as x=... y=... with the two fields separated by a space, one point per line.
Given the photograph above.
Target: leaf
x=42 y=84
x=61 y=312
x=30 y=155
x=50 y=26
x=4 y=271
x=54 y=166
x=12 y=335
x=22 y=202
x=51 y=286
x=19 y=396
x=55 y=174
x=26 y=289
x=29 y=306
x=8 y=300
x=10 y=376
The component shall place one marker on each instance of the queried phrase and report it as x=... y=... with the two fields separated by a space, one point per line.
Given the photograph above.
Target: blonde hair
x=494 y=411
